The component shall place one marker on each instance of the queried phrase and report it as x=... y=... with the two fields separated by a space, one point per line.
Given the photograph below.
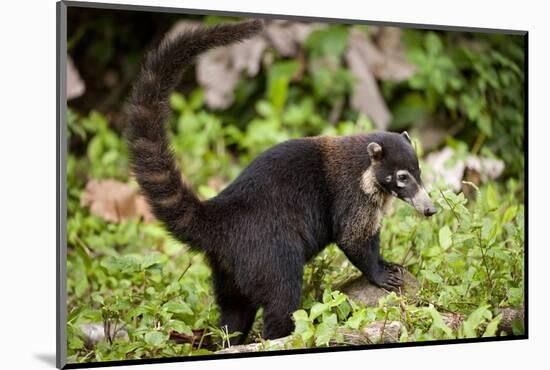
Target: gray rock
x=95 y=332
x=362 y=291
x=376 y=332
x=509 y=316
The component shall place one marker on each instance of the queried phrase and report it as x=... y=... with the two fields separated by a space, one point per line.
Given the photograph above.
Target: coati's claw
x=392 y=265
x=391 y=277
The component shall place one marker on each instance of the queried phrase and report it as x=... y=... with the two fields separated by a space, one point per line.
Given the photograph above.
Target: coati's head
x=394 y=169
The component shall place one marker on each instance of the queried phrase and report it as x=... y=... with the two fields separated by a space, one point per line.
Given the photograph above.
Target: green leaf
x=141 y=310
x=489 y=230
x=474 y=320
x=333 y=298
x=81 y=286
x=515 y=296
x=330 y=42
x=279 y=78
x=196 y=99
x=177 y=307
x=330 y=319
x=207 y=192
x=471 y=105
x=177 y=102
x=75 y=342
x=98 y=298
x=126 y=264
x=484 y=124
x=509 y=214
x=357 y=319
x=303 y=326
x=518 y=327
x=95 y=148
x=155 y=338
x=433 y=43
x=323 y=333
x=432 y=276
x=180 y=327
x=265 y=108
x=492 y=327
x=300 y=315
x=492 y=200
x=409 y=110
x=343 y=309
x=201 y=352
x=172 y=247
x=445 y=237
x=151 y=260
x=317 y=310
x=437 y=321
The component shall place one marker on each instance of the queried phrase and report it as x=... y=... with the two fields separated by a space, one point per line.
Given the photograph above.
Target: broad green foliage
x=475 y=83
x=106 y=153
x=468 y=258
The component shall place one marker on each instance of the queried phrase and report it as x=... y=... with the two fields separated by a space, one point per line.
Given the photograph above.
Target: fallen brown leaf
x=115 y=201
x=287 y=37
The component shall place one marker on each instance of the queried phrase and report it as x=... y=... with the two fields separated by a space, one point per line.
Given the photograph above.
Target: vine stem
x=406 y=256
x=451 y=206
x=479 y=142
x=484 y=261
x=384 y=326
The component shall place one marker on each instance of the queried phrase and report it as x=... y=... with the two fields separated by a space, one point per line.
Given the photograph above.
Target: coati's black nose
x=429 y=211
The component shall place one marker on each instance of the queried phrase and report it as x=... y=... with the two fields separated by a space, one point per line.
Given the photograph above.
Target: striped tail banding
x=151 y=159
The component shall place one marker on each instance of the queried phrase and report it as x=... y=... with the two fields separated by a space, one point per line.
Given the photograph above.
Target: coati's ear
x=405 y=134
x=375 y=151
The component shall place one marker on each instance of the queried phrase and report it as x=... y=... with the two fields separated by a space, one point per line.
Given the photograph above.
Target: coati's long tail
x=152 y=161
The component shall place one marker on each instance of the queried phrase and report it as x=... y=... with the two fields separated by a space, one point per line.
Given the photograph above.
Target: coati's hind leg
x=365 y=255
x=237 y=312
x=284 y=300
x=237 y=317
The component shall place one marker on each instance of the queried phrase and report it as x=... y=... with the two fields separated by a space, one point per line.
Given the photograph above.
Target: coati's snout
x=421 y=202
x=409 y=189
x=394 y=163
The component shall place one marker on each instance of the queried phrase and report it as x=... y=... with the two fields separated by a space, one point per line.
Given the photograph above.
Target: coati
x=285 y=207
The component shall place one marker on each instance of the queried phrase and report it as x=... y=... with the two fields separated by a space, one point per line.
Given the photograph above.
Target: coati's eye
x=402 y=178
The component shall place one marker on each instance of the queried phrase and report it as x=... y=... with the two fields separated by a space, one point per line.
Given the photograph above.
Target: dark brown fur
x=285 y=207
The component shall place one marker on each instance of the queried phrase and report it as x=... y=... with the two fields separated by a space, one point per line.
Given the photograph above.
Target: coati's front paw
x=390 y=277
x=387 y=265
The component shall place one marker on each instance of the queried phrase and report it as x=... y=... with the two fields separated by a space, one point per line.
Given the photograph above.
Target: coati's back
x=283 y=190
